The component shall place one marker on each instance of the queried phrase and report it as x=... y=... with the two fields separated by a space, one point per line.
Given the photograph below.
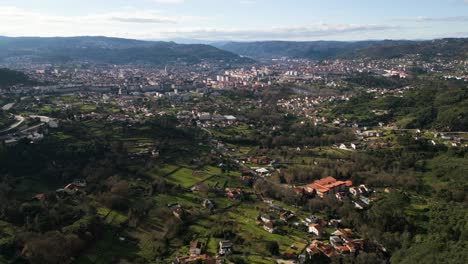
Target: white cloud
x=27 y=23
x=8 y=13
x=436 y=19
x=316 y=31
x=151 y=24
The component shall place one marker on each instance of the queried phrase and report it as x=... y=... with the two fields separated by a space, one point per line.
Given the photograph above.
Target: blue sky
x=237 y=19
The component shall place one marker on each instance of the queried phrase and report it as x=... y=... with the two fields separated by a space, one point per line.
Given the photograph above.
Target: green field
x=188 y=177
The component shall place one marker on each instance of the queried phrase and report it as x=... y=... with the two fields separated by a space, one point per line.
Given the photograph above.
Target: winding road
x=20 y=120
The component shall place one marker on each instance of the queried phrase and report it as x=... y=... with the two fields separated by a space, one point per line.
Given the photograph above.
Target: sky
x=237 y=20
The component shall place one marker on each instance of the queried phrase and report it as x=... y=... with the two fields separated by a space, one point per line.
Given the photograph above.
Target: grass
x=110 y=216
x=187 y=177
x=256 y=237
x=162 y=171
x=84 y=221
x=405 y=121
x=258 y=260
x=212 y=246
x=184 y=177
x=185 y=199
x=62 y=136
x=7 y=233
x=228 y=180
x=45 y=109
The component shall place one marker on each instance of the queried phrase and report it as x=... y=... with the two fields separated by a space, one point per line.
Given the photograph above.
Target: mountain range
x=382 y=49
x=110 y=51
x=107 y=50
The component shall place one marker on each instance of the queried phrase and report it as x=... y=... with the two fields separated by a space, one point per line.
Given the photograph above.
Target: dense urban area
x=359 y=157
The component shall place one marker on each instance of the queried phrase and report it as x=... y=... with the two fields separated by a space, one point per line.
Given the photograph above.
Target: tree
x=273 y=247
x=51 y=247
x=290 y=178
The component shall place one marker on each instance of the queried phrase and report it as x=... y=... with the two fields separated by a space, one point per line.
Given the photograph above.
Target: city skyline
x=239 y=20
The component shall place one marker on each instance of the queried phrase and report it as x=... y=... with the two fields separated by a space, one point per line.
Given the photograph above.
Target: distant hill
x=9 y=77
x=275 y=49
x=434 y=104
x=335 y=49
x=442 y=48
x=110 y=50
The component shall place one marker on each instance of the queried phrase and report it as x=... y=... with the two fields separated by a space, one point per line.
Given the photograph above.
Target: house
x=177 y=210
x=342 y=249
x=69 y=189
x=312 y=219
x=286 y=216
x=230 y=118
x=204 y=116
x=233 y=193
x=364 y=189
x=328 y=185
x=334 y=222
x=326 y=249
x=266 y=218
x=354 y=191
x=336 y=241
x=350 y=244
x=340 y=196
x=337 y=232
x=343 y=147
x=195 y=248
x=371 y=134
x=315 y=229
x=260 y=160
x=39 y=197
x=199 y=187
x=365 y=200
x=155 y=153
x=225 y=247
x=262 y=171
x=312 y=250
x=81 y=183
x=359 y=204
x=208 y=204
x=361 y=189
x=269 y=226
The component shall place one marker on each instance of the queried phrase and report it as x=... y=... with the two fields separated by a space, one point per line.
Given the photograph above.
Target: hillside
x=109 y=50
x=275 y=49
x=10 y=77
x=435 y=105
x=443 y=48
x=447 y=48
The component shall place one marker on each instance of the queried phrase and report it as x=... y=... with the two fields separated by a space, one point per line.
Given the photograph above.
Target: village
x=282 y=162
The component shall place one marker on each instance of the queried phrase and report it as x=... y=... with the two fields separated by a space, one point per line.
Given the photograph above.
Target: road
x=15 y=125
x=8 y=106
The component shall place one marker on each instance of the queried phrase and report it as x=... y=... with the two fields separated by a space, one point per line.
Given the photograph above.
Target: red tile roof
x=325 y=181
x=326 y=184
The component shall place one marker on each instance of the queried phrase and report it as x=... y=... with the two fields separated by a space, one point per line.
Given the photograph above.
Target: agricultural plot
x=188 y=177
